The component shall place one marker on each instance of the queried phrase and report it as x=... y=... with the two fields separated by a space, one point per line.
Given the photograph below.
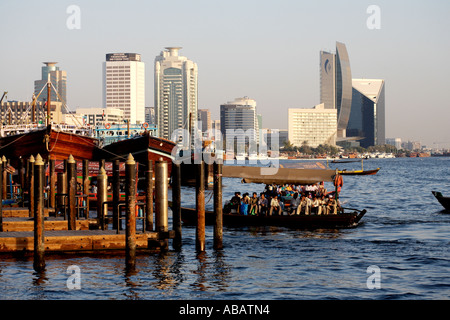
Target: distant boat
x=444 y=201
x=359 y=172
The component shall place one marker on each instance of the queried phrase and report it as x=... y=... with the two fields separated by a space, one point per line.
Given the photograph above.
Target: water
x=405 y=234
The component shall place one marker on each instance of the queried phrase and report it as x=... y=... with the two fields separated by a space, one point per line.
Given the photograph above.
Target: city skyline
x=244 y=49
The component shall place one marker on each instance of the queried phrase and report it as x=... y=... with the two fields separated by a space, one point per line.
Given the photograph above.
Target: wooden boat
x=341 y=220
x=143 y=147
x=444 y=201
x=51 y=142
x=280 y=176
x=359 y=172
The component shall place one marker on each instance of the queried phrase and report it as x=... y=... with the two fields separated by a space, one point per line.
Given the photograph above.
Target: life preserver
x=107 y=126
x=145 y=125
x=338 y=181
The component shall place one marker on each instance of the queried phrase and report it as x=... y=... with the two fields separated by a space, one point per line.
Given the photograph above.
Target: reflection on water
x=404 y=233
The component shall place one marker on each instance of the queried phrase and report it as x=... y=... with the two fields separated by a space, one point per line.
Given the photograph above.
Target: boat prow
x=444 y=201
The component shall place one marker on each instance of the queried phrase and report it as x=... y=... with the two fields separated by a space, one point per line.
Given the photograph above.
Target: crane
x=4 y=94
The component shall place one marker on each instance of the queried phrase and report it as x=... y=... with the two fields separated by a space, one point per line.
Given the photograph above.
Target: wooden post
x=218 y=226
x=52 y=179
x=21 y=178
x=116 y=193
x=176 y=204
x=31 y=187
x=200 y=205
x=61 y=187
x=72 y=192
x=1 y=199
x=102 y=185
x=161 y=199
x=149 y=196
x=39 y=249
x=86 y=184
x=5 y=178
x=130 y=196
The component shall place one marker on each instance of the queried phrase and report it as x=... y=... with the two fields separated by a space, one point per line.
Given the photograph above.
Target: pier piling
x=218 y=225
x=116 y=194
x=5 y=178
x=39 y=249
x=52 y=180
x=86 y=185
x=200 y=205
x=176 y=204
x=31 y=186
x=72 y=188
x=102 y=207
x=1 y=199
x=161 y=201
x=149 y=196
x=130 y=198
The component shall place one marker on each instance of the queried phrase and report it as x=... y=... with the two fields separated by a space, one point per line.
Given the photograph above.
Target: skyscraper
x=175 y=92
x=336 y=85
x=367 y=117
x=239 y=117
x=58 y=79
x=124 y=85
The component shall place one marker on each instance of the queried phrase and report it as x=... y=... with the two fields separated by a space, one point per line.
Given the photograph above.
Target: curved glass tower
x=336 y=85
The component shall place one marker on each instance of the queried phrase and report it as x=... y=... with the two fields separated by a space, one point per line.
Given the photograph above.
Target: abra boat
x=444 y=201
x=345 y=218
x=359 y=172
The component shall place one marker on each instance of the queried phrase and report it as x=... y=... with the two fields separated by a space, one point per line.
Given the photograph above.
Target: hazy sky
x=266 y=50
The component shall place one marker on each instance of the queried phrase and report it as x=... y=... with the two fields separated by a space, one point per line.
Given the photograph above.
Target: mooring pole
x=1 y=199
x=72 y=188
x=102 y=207
x=200 y=205
x=86 y=185
x=5 y=178
x=161 y=201
x=149 y=196
x=130 y=198
x=39 y=249
x=176 y=204
x=31 y=187
x=116 y=193
x=52 y=180
x=218 y=226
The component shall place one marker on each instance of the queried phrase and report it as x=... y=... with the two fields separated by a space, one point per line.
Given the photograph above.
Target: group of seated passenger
x=292 y=199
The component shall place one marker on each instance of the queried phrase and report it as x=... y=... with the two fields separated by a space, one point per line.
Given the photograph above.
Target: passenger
x=254 y=204
x=236 y=201
x=274 y=205
x=263 y=204
x=332 y=206
x=322 y=205
x=295 y=204
x=305 y=205
x=315 y=205
x=243 y=207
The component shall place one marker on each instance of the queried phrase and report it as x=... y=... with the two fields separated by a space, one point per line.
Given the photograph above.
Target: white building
x=175 y=92
x=314 y=126
x=124 y=85
x=101 y=116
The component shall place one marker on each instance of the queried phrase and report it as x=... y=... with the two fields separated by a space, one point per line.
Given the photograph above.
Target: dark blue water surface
x=405 y=234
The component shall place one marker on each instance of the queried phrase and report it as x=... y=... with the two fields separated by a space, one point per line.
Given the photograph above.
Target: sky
x=266 y=50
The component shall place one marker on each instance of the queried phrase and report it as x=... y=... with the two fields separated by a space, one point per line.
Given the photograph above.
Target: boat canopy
x=278 y=176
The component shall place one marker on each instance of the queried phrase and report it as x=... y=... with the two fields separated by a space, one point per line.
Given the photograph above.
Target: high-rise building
x=175 y=92
x=58 y=79
x=204 y=117
x=336 y=85
x=314 y=126
x=239 y=117
x=367 y=117
x=124 y=85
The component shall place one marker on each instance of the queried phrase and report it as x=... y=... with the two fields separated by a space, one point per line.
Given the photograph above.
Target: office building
x=101 y=116
x=396 y=142
x=367 y=117
x=204 y=118
x=124 y=85
x=58 y=79
x=175 y=92
x=238 y=121
x=336 y=85
x=313 y=126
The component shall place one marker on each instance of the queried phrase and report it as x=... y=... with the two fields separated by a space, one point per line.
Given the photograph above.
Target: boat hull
x=359 y=172
x=444 y=201
x=343 y=220
x=50 y=144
